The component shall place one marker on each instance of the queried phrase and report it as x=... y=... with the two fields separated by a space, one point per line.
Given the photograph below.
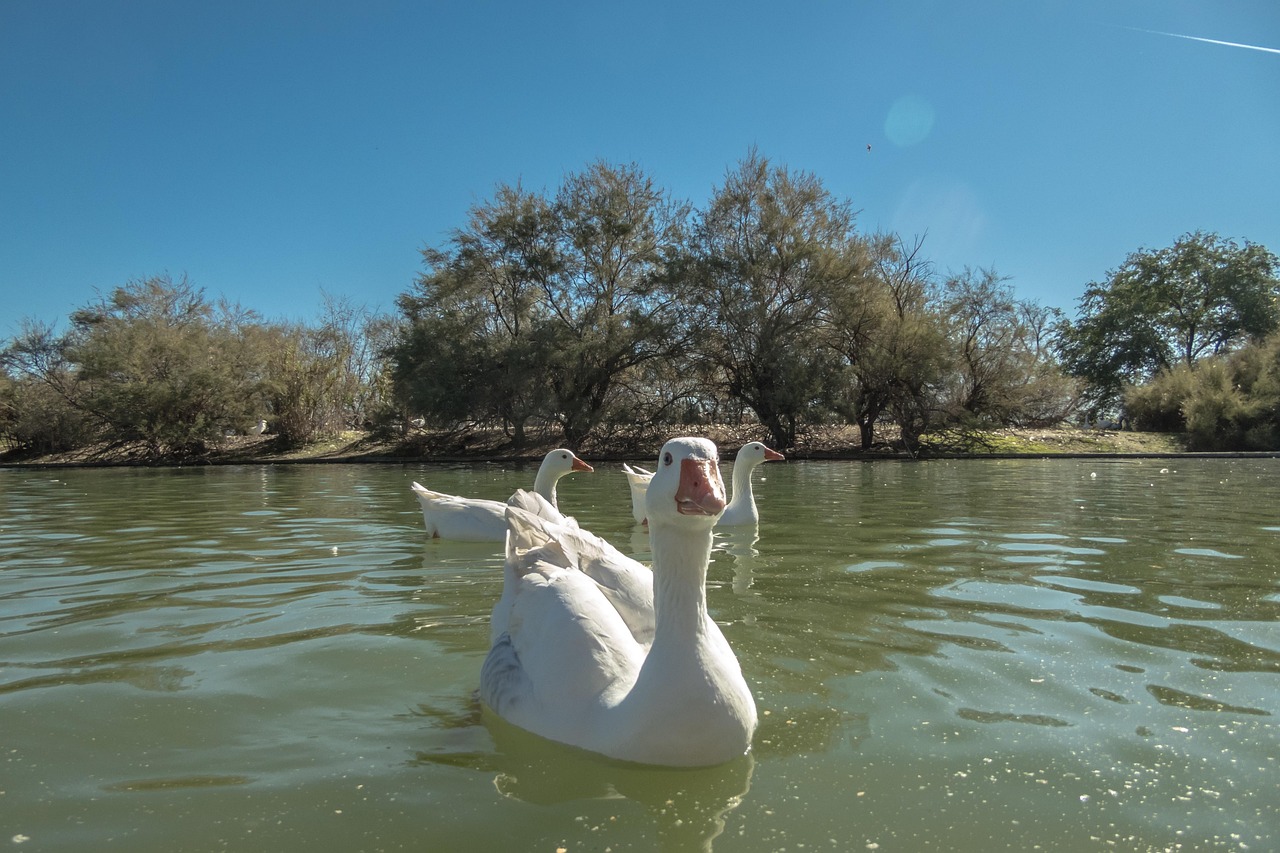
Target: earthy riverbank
x=825 y=443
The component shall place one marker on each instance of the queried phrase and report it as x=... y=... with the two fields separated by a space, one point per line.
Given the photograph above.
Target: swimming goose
x=742 y=507
x=480 y=520
x=566 y=663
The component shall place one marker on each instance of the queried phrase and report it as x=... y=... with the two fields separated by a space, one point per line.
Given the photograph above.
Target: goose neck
x=545 y=485
x=740 y=483
x=680 y=558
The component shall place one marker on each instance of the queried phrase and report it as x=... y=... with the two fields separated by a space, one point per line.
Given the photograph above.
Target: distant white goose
x=742 y=506
x=638 y=479
x=259 y=428
x=481 y=520
x=566 y=662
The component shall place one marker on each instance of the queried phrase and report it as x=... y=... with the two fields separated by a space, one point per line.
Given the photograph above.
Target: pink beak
x=773 y=456
x=579 y=465
x=701 y=490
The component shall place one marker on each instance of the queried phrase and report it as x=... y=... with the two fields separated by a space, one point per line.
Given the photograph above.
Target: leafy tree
x=607 y=313
x=543 y=308
x=158 y=364
x=39 y=411
x=1006 y=372
x=466 y=350
x=893 y=345
x=317 y=376
x=769 y=255
x=1224 y=402
x=1201 y=296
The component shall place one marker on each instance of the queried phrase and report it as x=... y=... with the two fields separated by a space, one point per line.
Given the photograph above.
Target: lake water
x=970 y=655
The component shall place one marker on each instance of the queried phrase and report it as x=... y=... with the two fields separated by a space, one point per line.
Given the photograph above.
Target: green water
x=1070 y=655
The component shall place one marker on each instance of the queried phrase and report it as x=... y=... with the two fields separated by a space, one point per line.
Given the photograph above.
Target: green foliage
x=771 y=254
x=1202 y=296
x=543 y=309
x=156 y=365
x=159 y=365
x=892 y=342
x=38 y=410
x=1157 y=405
x=36 y=420
x=1006 y=373
x=608 y=309
x=1227 y=402
x=607 y=304
x=317 y=377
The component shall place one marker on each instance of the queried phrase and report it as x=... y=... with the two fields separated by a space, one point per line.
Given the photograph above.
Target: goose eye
x=666 y=458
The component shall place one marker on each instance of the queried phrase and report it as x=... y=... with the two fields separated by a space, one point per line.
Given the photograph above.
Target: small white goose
x=742 y=506
x=566 y=663
x=480 y=520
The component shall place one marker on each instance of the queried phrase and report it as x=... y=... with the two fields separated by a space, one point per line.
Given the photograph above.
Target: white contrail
x=1209 y=41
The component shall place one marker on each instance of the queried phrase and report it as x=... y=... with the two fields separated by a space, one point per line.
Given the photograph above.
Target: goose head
x=555 y=465
x=756 y=452
x=562 y=461
x=686 y=487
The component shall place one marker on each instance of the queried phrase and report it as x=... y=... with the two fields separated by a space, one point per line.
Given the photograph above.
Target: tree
x=544 y=308
x=767 y=259
x=1223 y=402
x=318 y=377
x=607 y=311
x=1202 y=296
x=158 y=364
x=893 y=345
x=1006 y=372
x=39 y=412
x=466 y=350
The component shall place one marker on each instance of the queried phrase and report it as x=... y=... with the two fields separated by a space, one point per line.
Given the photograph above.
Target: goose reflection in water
x=689 y=807
x=740 y=543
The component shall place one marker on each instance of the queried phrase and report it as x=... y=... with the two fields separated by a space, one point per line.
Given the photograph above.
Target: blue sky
x=270 y=151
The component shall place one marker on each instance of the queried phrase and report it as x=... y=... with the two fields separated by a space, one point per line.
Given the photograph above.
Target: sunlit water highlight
x=948 y=655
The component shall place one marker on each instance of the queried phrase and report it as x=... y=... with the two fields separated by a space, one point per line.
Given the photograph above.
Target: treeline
x=607 y=308
x=609 y=305
x=158 y=366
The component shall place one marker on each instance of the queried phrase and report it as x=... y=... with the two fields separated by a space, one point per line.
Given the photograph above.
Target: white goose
x=480 y=520
x=566 y=663
x=742 y=506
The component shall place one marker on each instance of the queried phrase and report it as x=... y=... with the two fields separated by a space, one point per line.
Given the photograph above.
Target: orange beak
x=701 y=491
x=579 y=465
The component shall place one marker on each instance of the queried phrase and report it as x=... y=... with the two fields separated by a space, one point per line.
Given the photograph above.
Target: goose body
x=570 y=658
x=480 y=520
x=638 y=480
x=742 y=506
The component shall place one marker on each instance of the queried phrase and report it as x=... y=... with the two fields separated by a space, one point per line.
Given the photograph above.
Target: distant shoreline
x=835 y=444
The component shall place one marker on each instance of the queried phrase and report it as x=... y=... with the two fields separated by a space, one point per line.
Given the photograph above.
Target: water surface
x=977 y=655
